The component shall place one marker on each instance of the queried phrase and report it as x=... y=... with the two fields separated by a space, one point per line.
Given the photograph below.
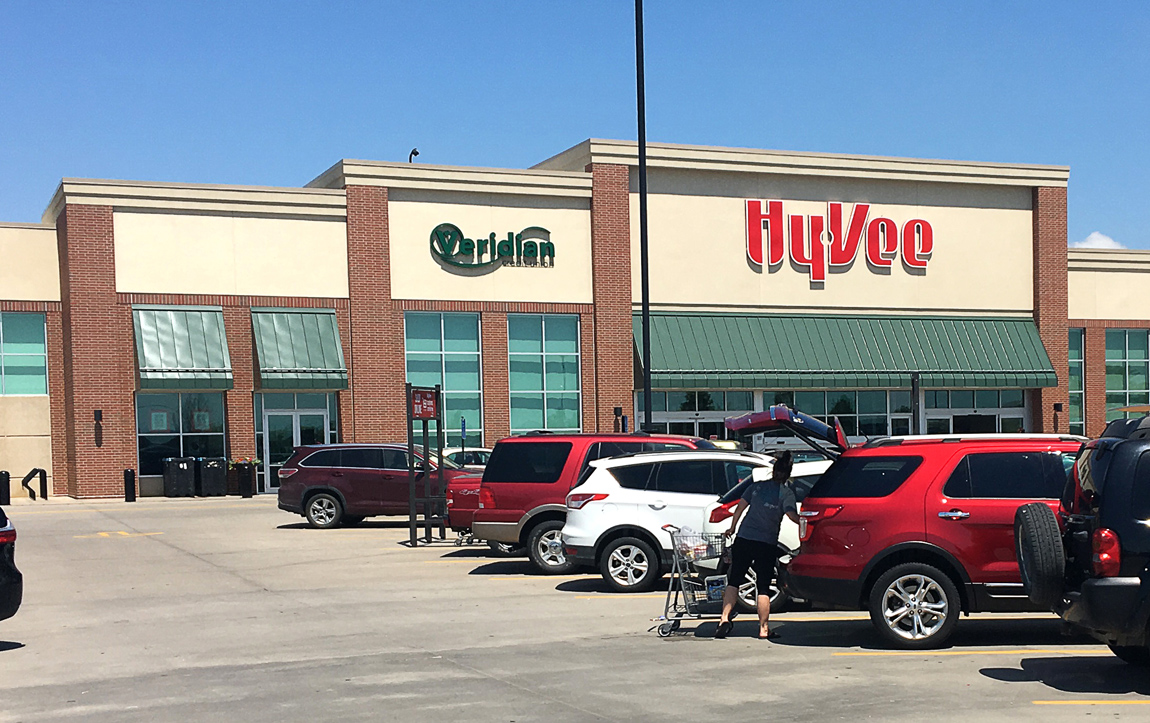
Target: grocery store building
x=147 y=320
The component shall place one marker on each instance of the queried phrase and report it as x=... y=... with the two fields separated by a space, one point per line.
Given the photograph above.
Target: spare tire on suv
x=1041 y=560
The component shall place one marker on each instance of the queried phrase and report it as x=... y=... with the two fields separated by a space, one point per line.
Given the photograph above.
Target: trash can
x=211 y=476
x=179 y=476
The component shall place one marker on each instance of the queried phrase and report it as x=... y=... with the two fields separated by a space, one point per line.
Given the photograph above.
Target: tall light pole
x=645 y=282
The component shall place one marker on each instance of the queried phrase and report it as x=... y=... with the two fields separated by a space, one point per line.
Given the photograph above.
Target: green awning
x=181 y=348
x=299 y=349
x=699 y=351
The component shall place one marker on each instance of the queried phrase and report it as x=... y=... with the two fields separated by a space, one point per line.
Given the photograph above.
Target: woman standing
x=757 y=544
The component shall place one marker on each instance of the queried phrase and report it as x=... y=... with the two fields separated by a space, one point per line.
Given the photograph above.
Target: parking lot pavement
x=229 y=609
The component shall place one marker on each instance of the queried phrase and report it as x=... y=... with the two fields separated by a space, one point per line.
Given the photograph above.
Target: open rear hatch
x=827 y=439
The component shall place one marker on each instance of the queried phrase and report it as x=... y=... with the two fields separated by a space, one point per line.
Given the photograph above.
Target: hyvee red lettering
x=815 y=242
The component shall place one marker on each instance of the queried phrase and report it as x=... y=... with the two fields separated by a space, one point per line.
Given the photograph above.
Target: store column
x=1050 y=304
x=1094 y=381
x=239 y=402
x=611 y=280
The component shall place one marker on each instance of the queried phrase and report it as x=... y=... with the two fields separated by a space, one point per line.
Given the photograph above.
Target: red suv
x=334 y=484
x=523 y=497
x=918 y=530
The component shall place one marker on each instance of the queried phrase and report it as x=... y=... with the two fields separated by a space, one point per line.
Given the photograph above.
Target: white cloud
x=1097 y=240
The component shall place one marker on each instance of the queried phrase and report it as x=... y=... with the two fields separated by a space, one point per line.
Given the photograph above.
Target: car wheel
x=1038 y=547
x=748 y=600
x=1132 y=654
x=914 y=606
x=505 y=549
x=545 y=548
x=350 y=520
x=323 y=511
x=629 y=564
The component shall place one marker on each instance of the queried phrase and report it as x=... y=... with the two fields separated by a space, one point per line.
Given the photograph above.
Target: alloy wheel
x=550 y=548
x=914 y=607
x=323 y=511
x=628 y=565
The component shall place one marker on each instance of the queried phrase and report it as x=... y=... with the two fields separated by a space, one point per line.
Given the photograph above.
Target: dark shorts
x=750 y=554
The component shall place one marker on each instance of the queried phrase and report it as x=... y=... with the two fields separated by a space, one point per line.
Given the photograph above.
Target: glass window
x=633 y=477
x=986 y=399
x=864 y=476
x=709 y=401
x=680 y=402
x=900 y=402
x=1127 y=371
x=394 y=459
x=1011 y=398
x=937 y=399
x=534 y=462
x=872 y=403
x=841 y=403
x=545 y=379
x=740 y=401
x=178 y=424
x=658 y=401
x=938 y=425
x=688 y=477
x=1008 y=475
x=872 y=426
x=443 y=349
x=900 y=426
x=770 y=399
x=1011 y=425
x=812 y=403
x=730 y=474
x=324 y=458
x=962 y=399
x=1077 y=382
x=361 y=457
x=23 y=354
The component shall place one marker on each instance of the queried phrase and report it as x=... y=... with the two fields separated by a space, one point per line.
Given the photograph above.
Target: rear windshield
x=537 y=462
x=3 y=518
x=864 y=476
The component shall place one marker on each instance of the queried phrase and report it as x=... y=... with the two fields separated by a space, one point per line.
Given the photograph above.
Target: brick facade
x=611 y=277
x=1094 y=366
x=1051 y=304
x=376 y=327
x=495 y=367
x=238 y=406
x=98 y=356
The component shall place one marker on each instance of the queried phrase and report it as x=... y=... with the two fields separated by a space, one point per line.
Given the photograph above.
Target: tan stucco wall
x=29 y=264
x=25 y=438
x=981 y=263
x=230 y=254
x=1109 y=285
x=416 y=274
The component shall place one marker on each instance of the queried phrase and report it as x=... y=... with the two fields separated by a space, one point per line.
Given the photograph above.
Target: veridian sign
x=816 y=243
x=530 y=247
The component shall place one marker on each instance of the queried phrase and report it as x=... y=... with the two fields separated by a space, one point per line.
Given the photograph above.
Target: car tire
x=323 y=511
x=747 y=601
x=350 y=520
x=629 y=564
x=929 y=610
x=1041 y=560
x=545 y=548
x=505 y=549
x=1133 y=654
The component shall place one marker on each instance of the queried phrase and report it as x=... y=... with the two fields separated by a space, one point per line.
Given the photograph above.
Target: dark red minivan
x=340 y=484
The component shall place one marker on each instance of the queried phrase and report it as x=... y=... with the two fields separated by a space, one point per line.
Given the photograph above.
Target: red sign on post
x=423 y=404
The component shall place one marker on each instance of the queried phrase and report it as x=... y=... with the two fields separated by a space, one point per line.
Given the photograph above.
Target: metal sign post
x=425 y=405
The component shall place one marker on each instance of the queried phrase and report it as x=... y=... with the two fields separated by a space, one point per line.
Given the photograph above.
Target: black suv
x=1090 y=562
x=11 y=583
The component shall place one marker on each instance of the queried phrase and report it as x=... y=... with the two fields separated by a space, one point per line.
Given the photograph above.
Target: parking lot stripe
x=1090 y=702
x=877 y=653
x=621 y=597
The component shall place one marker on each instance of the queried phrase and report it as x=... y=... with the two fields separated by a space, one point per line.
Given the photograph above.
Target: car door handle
x=337 y=474
x=657 y=505
x=954 y=515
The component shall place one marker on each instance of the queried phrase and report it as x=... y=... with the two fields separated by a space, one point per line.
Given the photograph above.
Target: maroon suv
x=334 y=484
x=523 y=497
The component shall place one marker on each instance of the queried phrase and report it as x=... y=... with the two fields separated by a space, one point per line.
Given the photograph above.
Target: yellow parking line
x=21 y=512
x=878 y=653
x=1090 y=702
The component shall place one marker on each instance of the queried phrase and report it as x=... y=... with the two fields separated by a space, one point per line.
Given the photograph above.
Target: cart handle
x=670 y=528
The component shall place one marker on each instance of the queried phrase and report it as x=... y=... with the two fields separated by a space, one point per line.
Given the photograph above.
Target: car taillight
x=286 y=472
x=486 y=498
x=576 y=501
x=808 y=518
x=7 y=534
x=1107 y=556
x=723 y=512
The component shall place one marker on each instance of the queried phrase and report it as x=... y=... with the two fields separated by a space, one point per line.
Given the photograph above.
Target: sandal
x=723 y=630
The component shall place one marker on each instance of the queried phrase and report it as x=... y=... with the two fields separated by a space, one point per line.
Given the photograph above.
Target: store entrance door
x=284 y=431
x=699 y=428
x=974 y=423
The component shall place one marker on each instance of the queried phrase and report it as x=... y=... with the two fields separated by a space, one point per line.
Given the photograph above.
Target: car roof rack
x=972 y=437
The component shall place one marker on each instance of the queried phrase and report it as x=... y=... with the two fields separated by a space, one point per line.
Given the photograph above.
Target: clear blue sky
x=272 y=93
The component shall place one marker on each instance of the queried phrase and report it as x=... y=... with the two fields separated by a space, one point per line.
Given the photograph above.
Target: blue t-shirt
x=767 y=502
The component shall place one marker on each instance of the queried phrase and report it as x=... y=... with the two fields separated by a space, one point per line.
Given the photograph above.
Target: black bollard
x=43 y=484
x=129 y=485
x=5 y=490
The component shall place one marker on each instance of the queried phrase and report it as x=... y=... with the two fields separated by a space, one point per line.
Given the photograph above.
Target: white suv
x=616 y=514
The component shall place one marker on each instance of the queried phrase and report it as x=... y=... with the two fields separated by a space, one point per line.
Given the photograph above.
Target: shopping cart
x=694 y=591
